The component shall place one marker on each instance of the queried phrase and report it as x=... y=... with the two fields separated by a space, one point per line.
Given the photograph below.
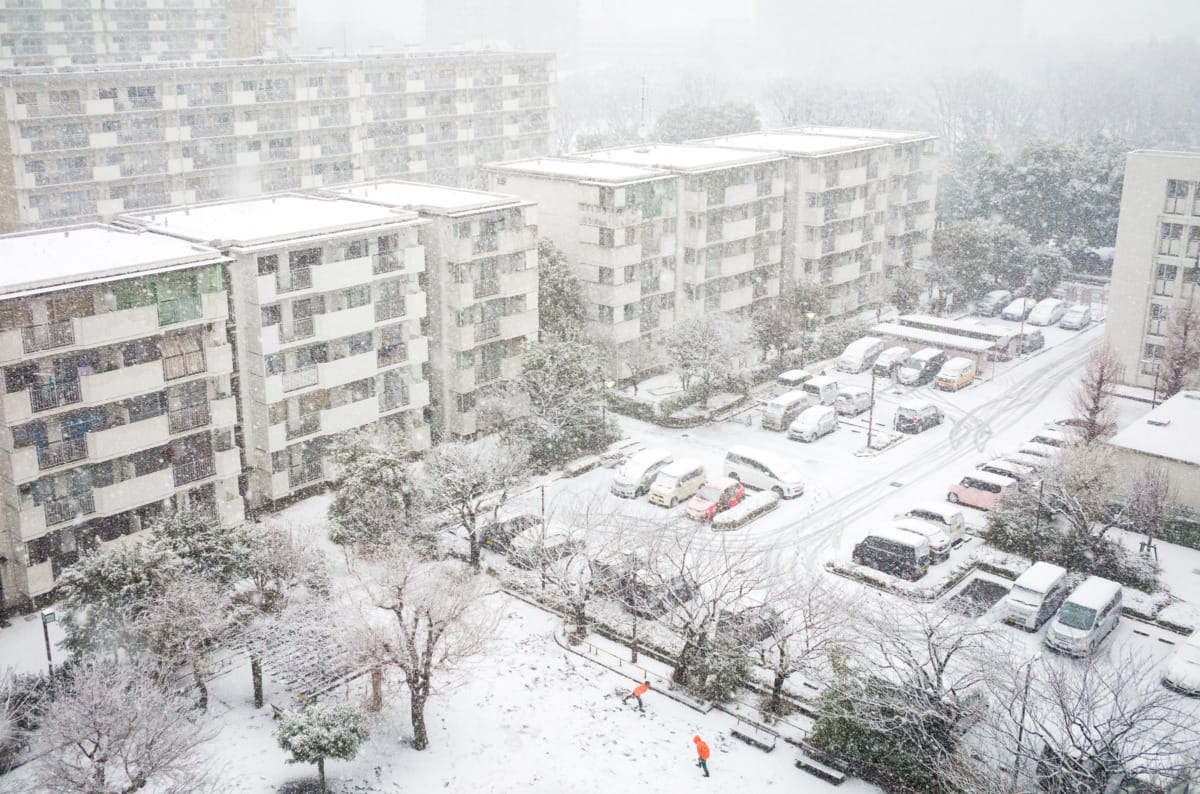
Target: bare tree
x=469 y=481
x=1181 y=360
x=19 y=701
x=641 y=358
x=439 y=620
x=1151 y=502
x=1093 y=400
x=118 y=728
x=702 y=348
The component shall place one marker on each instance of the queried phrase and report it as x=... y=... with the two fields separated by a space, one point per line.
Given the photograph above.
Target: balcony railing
x=68 y=507
x=488 y=329
x=194 y=469
x=188 y=418
x=301 y=328
x=386 y=263
x=59 y=452
x=180 y=310
x=304 y=425
x=300 y=378
x=52 y=395
x=486 y=288
x=183 y=365
x=299 y=475
x=391 y=399
x=485 y=244
x=300 y=278
x=46 y=336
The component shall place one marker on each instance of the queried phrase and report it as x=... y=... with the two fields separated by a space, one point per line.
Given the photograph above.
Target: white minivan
x=677 y=481
x=939 y=542
x=1088 y=615
x=852 y=400
x=860 y=355
x=949 y=518
x=1036 y=596
x=637 y=475
x=823 y=389
x=758 y=468
x=792 y=379
x=811 y=424
x=1047 y=312
x=780 y=411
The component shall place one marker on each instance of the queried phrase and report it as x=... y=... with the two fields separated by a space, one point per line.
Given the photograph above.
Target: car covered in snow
x=1182 y=671
x=715 y=496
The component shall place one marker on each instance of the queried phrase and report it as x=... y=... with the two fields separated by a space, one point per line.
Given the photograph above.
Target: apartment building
x=860 y=207
x=71 y=32
x=481 y=279
x=1156 y=267
x=329 y=309
x=118 y=396
x=660 y=232
x=85 y=143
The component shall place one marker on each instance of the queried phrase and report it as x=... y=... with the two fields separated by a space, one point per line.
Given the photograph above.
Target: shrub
x=753 y=507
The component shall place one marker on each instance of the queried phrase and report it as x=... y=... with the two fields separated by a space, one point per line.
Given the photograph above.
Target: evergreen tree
x=321 y=731
x=562 y=389
x=689 y=122
x=374 y=501
x=560 y=295
x=203 y=547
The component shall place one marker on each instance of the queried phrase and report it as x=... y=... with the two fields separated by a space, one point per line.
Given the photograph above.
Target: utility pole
x=871 y=414
x=1021 y=724
x=643 y=132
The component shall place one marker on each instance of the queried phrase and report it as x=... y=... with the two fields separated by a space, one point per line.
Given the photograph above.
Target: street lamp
x=808 y=318
x=1157 y=364
x=631 y=567
x=608 y=384
x=48 y=617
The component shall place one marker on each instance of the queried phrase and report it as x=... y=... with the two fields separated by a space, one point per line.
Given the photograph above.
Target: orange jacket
x=641 y=689
x=701 y=748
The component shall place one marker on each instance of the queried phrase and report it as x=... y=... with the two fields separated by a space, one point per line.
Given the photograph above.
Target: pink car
x=980 y=489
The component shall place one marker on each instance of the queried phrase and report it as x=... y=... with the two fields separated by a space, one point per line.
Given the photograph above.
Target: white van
x=1024 y=475
x=823 y=389
x=637 y=475
x=1182 y=672
x=760 y=469
x=677 y=481
x=820 y=420
x=852 y=400
x=860 y=354
x=1051 y=438
x=792 y=379
x=889 y=362
x=1036 y=596
x=939 y=542
x=950 y=519
x=779 y=412
x=1047 y=312
x=1086 y=617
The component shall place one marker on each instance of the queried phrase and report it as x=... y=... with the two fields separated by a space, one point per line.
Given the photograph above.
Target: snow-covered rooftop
x=864 y=132
x=581 y=169
x=1169 y=431
x=678 y=156
x=794 y=143
x=38 y=260
x=269 y=218
x=426 y=198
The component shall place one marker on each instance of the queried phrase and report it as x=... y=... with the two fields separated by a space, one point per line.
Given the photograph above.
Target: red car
x=715 y=497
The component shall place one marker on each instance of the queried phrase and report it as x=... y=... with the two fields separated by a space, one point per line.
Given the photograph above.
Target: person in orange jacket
x=702 y=752
x=637 y=692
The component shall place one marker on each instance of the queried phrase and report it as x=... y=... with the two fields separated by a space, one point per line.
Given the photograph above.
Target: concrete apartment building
x=83 y=143
x=328 y=307
x=659 y=232
x=72 y=32
x=860 y=207
x=1156 y=267
x=481 y=279
x=118 y=396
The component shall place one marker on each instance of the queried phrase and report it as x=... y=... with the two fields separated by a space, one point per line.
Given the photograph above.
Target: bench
x=766 y=743
x=817 y=769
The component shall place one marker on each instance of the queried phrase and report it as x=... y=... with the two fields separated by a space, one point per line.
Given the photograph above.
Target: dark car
x=1030 y=341
x=917 y=416
x=498 y=535
x=922 y=367
x=641 y=593
x=749 y=626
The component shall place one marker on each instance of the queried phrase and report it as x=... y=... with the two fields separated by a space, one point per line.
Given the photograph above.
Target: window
x=389 y=300
x=267 y=265
x=607 y=237
x=604 y=314
x=360 y=343
x=1158 y=319
x=604 y=275
x=630 y=274
x=1169 y=240
x=270 y=315
x=630 y=311
x=1193 y=243
x=1164 y=281
x=1177 y=194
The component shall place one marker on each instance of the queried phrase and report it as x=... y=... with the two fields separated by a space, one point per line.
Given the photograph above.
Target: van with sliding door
x=758 y=468
x=813 y=423
x=894 y=551
x=677 y=481
x=955 y=374
x=1036 y=596
x=792 y=379
x=1088 y=615
x=637 y=475
x=922 y=366
x=889 y=362
x=860 y=355
x=781 y=410
x=980 y=489
x=823 y=389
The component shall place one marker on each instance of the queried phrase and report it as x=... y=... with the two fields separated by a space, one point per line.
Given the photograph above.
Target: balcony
x=300 y=378
x=515 y=326
x=300 y=328
x=341 y=275
x=53 y=395
x=68 y=508
x=189 y=418
x=47 y=336
x=290 y=280
x=348 y=321
x=488 y=329
x=350 y=416
x=304 y=425
x=519 y=282
x=737 y=298
x=134 y=492
x=304 y=474
x=193 y=469
x=59 y=452
x=129 y=438
x=229 y=463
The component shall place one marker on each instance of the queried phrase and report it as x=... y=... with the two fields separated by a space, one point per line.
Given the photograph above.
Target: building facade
x=74 y=32
x=329 y=308
x=1165 y=438
x=86 y=143
x=1156 y=266
x=481 y=279
x=119 y=394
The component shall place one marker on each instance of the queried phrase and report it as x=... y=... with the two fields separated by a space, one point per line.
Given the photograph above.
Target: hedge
x=751 y=508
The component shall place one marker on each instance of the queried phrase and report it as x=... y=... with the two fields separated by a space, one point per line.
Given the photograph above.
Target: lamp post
x=631 y=566
x=808 y=318
x=48 y=617
x=1021 y=724
x=871 y=414
x=1157 y=364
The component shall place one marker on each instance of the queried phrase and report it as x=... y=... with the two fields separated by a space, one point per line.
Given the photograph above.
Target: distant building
x=328 y=309
x=1166 y=438
x=86 y=143
x=64 y=33
x=119 y=394
x=540 y=25
x=481 y=276
x=1156 y=267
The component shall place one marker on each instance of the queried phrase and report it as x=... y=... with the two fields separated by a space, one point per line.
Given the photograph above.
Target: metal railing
x=304 y=424
x=46 y=336
x=385 y=262
x=488 y=329
x=188 y=418
x=178 y=310
x=59 y=452
x=67 y=508
x=194 y=469
x=52 y=395
x=293 y=279
x=301 y=328
x=485 y=244
x=301 y=378
x=183 y=365
x=299 y=475
x=486 y=288
x=389 y=400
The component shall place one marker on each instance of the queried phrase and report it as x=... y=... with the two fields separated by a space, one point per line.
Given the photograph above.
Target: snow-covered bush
x=754 y=506
x=321 y=731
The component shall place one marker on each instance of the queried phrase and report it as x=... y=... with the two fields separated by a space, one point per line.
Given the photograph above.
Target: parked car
x=860 y=354
x=1076 y=318
x=818 y=421
x=749 y=626
x=991 y=304
x=1040 y=451
x=823 y=389
x=498 y=535
x=779 y=412
x=1036 y=596
x=715 y=497
x=922 y=366
x=636 y=476
x=889 y=362
x=980 y=489
x=541 y=545
x=917 y=416
x=939 y=541
x=1051 y=438
x=677 y=481
x=1018 y=309
x=1088 y=615
x=1031 y=341
x=1024 y=475
x=1047 y=312
x=852 y=401
x=792 y=379
x=893 y=551
x=950 y=519
x=955 y=374
x=1182 y=671
x=1035 y=462
x=758 y=468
